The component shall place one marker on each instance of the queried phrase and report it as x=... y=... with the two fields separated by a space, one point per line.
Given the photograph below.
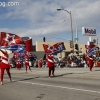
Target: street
x=68 y=84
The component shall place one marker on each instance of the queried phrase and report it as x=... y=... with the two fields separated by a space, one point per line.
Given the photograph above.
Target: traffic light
x=77 y=52
x=76 y=47
x=71 y=44
x=44 y=39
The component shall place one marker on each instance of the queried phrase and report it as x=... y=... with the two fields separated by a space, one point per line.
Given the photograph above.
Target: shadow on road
x=97 y=70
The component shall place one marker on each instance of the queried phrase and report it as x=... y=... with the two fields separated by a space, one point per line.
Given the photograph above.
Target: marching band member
x=18 y=64
x=51 y=65
x=11 y=64
x=26 y=62
x=40 y=62
x=0 y=60
x=90 y=61
x=5 y=65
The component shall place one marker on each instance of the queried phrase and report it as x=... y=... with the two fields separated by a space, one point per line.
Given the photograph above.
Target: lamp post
x=71 y=26
x=76 y=30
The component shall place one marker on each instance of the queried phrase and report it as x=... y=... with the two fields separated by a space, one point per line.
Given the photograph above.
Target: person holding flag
x=26 y=63
x=5 y=65
x=90 y=53
x=40 y=63
x=18 y=64
x=50 y=64
x=90 y=61
x=0 y=60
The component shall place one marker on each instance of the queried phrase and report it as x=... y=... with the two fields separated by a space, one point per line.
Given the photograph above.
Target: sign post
x=89 y=31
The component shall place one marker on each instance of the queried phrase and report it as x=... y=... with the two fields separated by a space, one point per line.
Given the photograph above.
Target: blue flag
x=92 y=51
x=15 y=48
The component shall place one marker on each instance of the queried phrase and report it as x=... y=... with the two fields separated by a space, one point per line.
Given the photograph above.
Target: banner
x=92 y=51
x=9 y=39
x=55 y=49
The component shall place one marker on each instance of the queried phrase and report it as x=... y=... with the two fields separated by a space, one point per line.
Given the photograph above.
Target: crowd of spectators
x=78 y=61
x=74 y=61
x=69 y=61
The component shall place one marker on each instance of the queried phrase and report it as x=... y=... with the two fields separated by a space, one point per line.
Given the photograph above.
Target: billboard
x=89 y=31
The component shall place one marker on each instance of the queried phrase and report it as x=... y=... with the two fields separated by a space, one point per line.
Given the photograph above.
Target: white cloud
x=44 y=19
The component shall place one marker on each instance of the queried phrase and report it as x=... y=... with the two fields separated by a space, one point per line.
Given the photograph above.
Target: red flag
x=47 y=48
x=8 y=39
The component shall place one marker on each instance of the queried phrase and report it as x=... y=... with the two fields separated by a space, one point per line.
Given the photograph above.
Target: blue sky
x=39 y=18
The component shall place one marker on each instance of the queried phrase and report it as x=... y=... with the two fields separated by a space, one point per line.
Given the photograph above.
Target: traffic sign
x=76 y=39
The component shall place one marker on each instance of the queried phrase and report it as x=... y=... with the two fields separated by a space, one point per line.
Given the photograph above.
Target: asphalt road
x=68 y=84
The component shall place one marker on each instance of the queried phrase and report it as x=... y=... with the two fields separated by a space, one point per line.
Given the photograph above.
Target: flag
x=92 y=51
x=89 y=47
x=55 y=49
x=21 y=49
x=14 y=48
x=9 y=39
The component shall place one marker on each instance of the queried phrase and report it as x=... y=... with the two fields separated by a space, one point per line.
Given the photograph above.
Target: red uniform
x=18 y=64
x=0 y=60
x=51 y=64
x=27 y=64
x=90 y=61
x=40 y=62
x=5 y=65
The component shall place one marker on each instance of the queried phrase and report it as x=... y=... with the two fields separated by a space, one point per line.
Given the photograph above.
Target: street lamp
x=76 y=30
x=71 y=26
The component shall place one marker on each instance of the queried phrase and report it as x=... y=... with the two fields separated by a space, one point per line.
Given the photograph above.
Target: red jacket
x=50 y=61
x=26 y=62
x=4 y=63
x=40 y=62
x=18 y=64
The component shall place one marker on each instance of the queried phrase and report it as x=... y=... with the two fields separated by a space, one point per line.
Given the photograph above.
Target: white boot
x=1 y=83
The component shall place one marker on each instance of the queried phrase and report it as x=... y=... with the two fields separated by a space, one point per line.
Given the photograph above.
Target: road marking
x=92 y=91
x=65 y=87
